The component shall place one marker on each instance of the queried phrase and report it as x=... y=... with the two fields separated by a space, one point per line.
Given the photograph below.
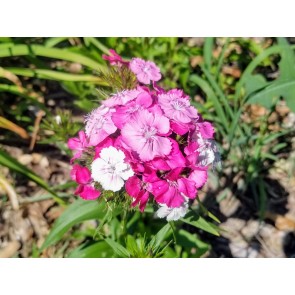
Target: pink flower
x=174 y=160
x=83 y=177
x=144 y=134
x=145 y=71
x=99 y=125
x=121 y=98
x=137 y=189
x=177 y=107
x=78 y=145
x=199 y=176
x=114 y=58
x=174 y=189
x=126 y=113
x=206 y=129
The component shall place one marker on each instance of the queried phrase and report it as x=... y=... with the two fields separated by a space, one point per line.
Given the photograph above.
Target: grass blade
x=9 y=162
x=55 y=75
x=77 y=212
x=38 y=50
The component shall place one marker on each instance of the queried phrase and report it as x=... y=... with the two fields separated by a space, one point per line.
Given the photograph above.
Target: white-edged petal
x=172 y=213
x=110 y=170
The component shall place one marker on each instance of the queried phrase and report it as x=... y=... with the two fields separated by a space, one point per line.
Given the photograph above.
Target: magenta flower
x=121 y=98
x=174 y=160
x=137 y=189
x=145 y=134
x=206 y=129
x=82 y=176
x=145 y=71
x=177 y=107
x=78 y=145
x=99 y=125
x=114 y=58
x=174 y=189
x=126 y=113
x=199 y=176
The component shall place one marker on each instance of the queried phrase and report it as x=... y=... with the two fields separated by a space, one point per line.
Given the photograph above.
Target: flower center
x=146 y=69
x=178 y=105
x=149 y=133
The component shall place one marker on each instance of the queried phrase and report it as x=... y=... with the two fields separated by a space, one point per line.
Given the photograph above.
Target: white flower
x=57 y=119
x=172 y=213
x=110 y=170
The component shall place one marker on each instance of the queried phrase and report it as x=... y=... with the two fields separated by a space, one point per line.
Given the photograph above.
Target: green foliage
x=9 y=162
x=77 y=212
x=75 y=68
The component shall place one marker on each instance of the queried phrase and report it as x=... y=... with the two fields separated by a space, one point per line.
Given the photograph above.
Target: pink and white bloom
x=203 y=130
x=173 y=190
x=110 y=169
x=126 y=113
x=146 y=135
x=199 y=176
x=172 y=214
x=78 y=145
x=85 y=189
x=138 y=190
x=121 y=98
x=99 y=125
x=176 y=106
x=145 y=71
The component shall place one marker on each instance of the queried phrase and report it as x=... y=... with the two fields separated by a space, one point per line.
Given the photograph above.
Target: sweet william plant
x=143 y=145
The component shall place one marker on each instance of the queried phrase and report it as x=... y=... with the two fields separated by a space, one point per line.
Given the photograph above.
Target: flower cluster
x=147 y=142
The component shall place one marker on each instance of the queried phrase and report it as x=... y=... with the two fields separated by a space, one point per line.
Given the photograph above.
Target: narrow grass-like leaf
x=211 y=95
x=195 y=220
x=56 y=75
x=77 y=212
x=39 y=50
x=51 y=42
x=278 y=88
x=118 y=249
x=6 y=124
x=221 y=59
x=9 y=162
x=97 y=44
x=99 y=249
x=161 y=235
x=208 y=50
x=251 y=67
x=190 y=241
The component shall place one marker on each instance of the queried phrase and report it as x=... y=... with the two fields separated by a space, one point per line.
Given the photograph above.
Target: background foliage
x=245 y=86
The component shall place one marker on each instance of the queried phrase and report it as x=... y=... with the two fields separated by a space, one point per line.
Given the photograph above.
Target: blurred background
x=245 y=86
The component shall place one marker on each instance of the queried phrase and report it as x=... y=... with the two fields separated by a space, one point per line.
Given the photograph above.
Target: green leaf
x=97 y=44
x=208 y=50
x=267 y=97
x=118 y=249
x=39 y=50
x=189 y=240
x=100 y=249
x=9 y=162
x=51 y=42
x=287 y=62
x=196 y=220
x=254 y=83
x=77 y=212
x=161 y=235
x=204 y=85
x=55 y=75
